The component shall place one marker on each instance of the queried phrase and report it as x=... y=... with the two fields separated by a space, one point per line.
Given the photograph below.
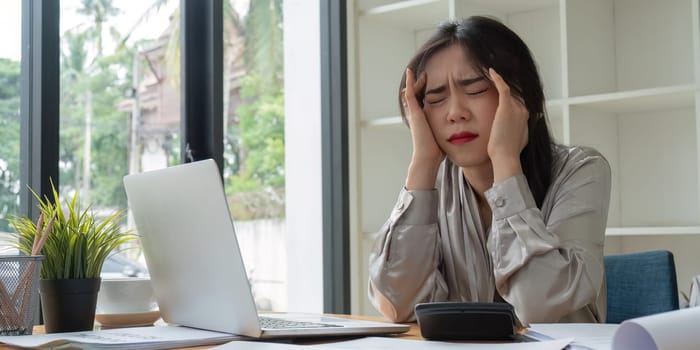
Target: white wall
x=302 y=86
x=260 y=239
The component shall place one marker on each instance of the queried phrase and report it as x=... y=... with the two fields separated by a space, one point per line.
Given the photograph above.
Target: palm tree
x=77 y=71
x=231 y=21
x=100 y=11
x=75 y=78
x=261 y=59
x=264 y=42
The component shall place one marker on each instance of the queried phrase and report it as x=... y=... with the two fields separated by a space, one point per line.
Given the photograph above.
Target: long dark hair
x=490 y=44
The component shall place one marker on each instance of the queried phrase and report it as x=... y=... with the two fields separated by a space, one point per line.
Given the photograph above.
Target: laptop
x=197 y=271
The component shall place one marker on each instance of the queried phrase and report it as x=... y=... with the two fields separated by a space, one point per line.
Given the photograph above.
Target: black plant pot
x=69 y=305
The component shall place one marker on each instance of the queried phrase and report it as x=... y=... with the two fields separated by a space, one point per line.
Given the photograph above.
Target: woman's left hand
x=508 y=132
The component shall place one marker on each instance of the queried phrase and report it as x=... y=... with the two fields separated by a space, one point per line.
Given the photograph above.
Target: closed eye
x=475 y=93
x=435 y=102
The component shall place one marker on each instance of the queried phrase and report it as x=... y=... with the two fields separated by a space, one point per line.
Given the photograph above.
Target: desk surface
x=413 y=333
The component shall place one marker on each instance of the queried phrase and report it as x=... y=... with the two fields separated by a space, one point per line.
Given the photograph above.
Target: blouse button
x=500 y=202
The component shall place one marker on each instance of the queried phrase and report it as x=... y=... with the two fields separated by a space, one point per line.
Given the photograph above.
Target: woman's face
x=460 y=105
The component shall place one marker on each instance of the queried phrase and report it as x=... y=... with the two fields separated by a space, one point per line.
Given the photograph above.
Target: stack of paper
x=586 y=335
x=669 y=330
x=125 y=338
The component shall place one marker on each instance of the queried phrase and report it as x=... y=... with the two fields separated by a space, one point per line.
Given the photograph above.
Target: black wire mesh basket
x=19 y=293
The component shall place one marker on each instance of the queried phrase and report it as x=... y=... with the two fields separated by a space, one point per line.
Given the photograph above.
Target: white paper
x=261 y=345
x=694 y=291
x=254 y=345
x=596 y=336
x=123 y=338
x=379 y=343
x=676 y=330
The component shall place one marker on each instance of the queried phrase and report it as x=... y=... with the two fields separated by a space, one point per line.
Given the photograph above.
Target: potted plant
x=75 y=244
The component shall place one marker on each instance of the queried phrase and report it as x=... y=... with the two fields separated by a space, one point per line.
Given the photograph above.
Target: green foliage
x=264 y=49
x=9 y=134
x=255 y=145
x=109 y=162
x=261 y=173
x=262 y=125
x=256 y=186
x=102 y=83
x=9 y=79
x=78 y=243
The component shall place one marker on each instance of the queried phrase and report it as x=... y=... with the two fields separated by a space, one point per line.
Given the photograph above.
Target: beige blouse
x=547 y=263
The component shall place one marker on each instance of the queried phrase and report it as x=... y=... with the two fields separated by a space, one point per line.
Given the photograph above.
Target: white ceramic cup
x=125 y=295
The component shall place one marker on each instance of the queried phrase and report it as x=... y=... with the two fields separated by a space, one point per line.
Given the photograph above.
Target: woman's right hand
x=427 y=155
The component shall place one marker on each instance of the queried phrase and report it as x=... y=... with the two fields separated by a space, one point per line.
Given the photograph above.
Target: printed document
x=150 y=337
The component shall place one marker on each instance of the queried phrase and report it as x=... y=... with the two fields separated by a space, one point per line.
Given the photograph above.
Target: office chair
x=640 y=284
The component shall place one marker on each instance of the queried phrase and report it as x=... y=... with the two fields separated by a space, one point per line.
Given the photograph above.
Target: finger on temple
x=410 y=79
x=496 y=79
x=410 y=83
x=419 y=89
x=501 y=86
x=420 y=83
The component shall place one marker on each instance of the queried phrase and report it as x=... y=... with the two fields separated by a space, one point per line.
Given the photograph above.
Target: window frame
x=202 y=123
x=334 y=146
x=39 y=102
x=201 y=69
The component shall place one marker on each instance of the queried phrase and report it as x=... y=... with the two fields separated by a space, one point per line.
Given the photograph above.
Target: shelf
x=499 y=6
x=396 y=6
x=507 y=7
x=410 y=14
x=632 y=45
x=398 y=120
x=671 y=97
x=652 y=231
x=555 y=108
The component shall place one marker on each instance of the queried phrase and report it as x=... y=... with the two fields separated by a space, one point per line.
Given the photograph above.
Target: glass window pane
x=254 y=143
x=10 y=55
x=119 y=102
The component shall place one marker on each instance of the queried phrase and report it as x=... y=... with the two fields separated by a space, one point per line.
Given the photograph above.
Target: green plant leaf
x=79 y=241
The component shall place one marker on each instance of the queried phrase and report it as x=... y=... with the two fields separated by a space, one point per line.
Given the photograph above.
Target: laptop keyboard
x=277 y=323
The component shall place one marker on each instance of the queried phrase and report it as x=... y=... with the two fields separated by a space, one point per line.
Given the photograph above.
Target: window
x=254 y=176
x=120 y=114
x=10 y=55
x=96 y=116
x=119 y=99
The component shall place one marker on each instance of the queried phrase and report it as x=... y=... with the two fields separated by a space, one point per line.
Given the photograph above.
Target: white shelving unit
x=622 y=76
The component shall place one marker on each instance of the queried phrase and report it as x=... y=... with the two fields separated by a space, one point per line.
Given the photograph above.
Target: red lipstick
x=462 y=137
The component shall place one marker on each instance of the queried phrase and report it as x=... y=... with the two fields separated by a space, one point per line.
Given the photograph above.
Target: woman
x=492 y=210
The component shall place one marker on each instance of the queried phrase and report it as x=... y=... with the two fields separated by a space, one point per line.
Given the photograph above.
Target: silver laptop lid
x=191 y=249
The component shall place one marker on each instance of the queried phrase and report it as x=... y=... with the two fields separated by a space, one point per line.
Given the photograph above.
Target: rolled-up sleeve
x=404 y=262
x=550 y=268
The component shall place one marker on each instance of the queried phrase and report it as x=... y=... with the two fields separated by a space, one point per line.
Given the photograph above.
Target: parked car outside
x=118 y=265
